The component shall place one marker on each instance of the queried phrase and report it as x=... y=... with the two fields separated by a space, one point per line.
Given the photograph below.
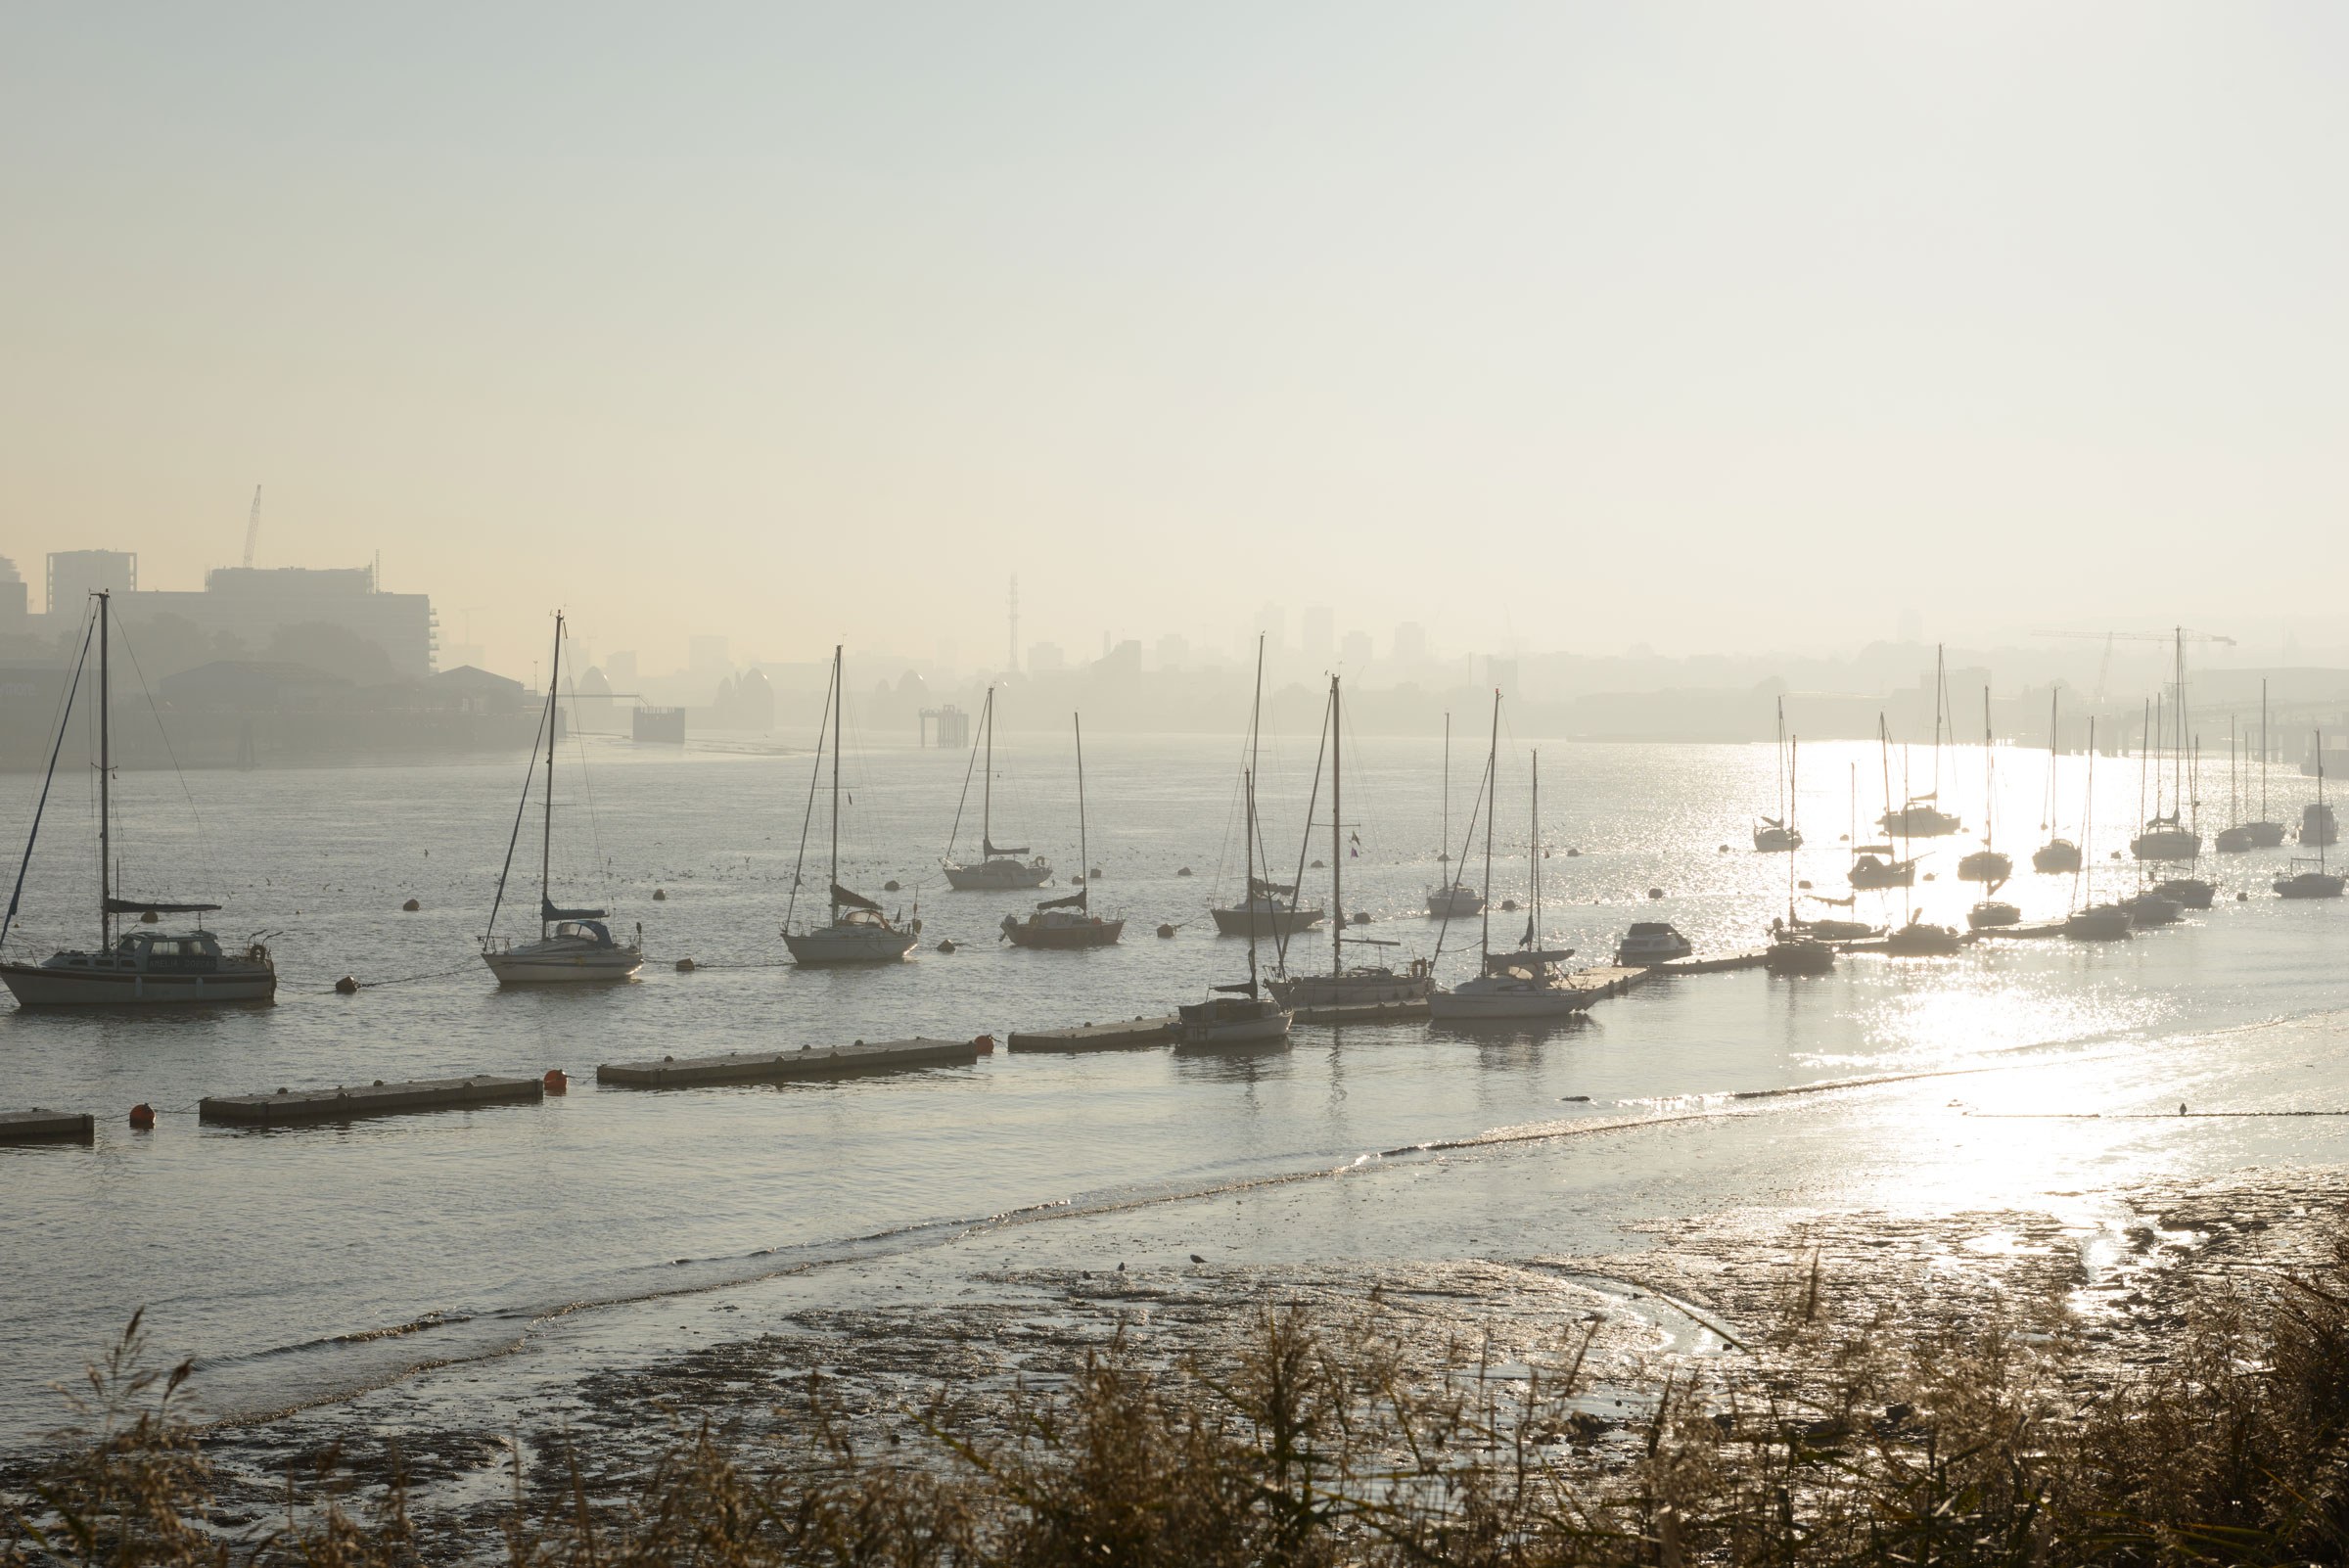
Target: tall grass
x=1914 y=1440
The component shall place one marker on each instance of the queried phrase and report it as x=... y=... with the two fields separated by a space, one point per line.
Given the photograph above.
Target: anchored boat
x=857 y=931
x=136 y=968
x=1069 y=922
x=572 y=945
x=1528 y=982
x=998 y=870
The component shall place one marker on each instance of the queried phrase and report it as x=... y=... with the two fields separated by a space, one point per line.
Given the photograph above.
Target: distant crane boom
x=2175 y=634
x=252 y=526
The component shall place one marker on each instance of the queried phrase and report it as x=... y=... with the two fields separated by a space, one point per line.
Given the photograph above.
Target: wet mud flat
x=1716 y=1304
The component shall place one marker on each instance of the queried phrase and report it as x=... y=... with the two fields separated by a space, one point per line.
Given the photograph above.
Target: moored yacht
x=573 y=946
x=1241 y=1013
x=138 y=968
x=1649 y=942
x=1455 y=900
x=1529 y=983
x=999 y=869
x=1069 y=922
x=857 y=931
x=1345 y=985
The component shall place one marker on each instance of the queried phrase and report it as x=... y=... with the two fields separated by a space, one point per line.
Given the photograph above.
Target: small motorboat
x=1916 y=820
x=2056 y=855
x=1776 y=837
x=1991 y=914
x=1919 y=939
x=2241 y=840
x=2101 y=922
x=1649 y=942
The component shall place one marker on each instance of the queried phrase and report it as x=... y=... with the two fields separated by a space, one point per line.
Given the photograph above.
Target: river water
x=302 y=1265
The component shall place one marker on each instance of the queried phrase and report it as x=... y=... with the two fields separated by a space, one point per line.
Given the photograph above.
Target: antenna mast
x=253 y=527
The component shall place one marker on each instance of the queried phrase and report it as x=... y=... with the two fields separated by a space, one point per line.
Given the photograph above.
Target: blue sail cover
x=548 y=911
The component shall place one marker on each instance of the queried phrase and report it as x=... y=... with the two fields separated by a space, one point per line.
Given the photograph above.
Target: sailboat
x=1240 y=1014
x=2058 y=853
x=1987 y=865
x=1363 y=984
x=1778 y=834
x=1877 y=865
x=573 y=944
x=2319 y=883
x=1793 y=949
x=1526 y=980
x=2191 y=891
x=999 y=871
x=1271 y=909
x=2167 y=837
x=1455 y=901
x=1918 y=816
x=139 y=967
x=2090 y=921
x=2236 y=837
x=857 y=932
x=1069 y=922
x=2265 y=834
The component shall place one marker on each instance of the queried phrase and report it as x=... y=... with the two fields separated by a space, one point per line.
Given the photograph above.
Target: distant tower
x=1011 y=639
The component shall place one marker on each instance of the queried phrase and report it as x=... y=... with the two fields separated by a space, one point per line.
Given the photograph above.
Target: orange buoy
x=142 y=1117
x=985 y=1045
x=556 y=1083
x=347 y=987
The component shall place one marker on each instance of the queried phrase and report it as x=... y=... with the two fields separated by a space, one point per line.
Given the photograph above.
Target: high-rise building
x=249 y=606
x=1318 y=629
x=13 y=606
x=75 y=574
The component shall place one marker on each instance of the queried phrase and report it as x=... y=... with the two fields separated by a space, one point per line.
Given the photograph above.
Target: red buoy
x=556 y=1083
x=142 y=1117
x=986 y=1045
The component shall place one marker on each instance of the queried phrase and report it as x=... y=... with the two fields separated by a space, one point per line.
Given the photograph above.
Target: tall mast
x=106 y=775
x=1443 y=846
x=1248 y=851
x=1337 y=843
x=2088 y=822
x=546 y=836
x=1781 y=761
x=2323 y=828
x=2263 y=749
x=1085 y=890
x=838 y=728
x=1483 y=938
x=2234 y=793
x=1989 y=774
x=1534 y=851
x=2048 y=811
x=987 y=786
x=1256 y=716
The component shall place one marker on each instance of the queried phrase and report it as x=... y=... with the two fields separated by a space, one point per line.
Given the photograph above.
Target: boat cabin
x=153 y=952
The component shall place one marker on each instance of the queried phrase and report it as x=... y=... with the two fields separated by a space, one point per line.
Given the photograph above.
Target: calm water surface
x=301 y=1263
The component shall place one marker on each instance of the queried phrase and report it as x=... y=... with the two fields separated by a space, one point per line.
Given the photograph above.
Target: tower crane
x=2104 y=668
x=253 y=527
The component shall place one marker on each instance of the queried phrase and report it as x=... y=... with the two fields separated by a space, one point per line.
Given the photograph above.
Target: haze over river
x=307 y=1265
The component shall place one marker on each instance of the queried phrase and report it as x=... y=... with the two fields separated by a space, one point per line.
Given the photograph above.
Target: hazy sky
x=1706 y=326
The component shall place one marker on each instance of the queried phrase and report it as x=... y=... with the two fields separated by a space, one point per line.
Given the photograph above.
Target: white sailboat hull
x=562 y=961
